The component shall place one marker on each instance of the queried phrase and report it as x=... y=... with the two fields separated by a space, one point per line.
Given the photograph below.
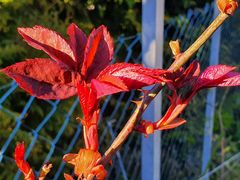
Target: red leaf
x=89 y=104
x=125 y=76
x=100 y=172
x=114 y=80
x=43 y=78
x=91 y=140
x=19 y=152
x=230 y=79
x=218 y=75
x=70 y=158
x=68 y=177
x=77 y=42
x=44 y=90
x=88 y=101
x=98 y=52
x=190 y=75
x=50 y=42
x=109 y=85
x=173 y=124
x=21 y=163
x=185 y=78
x=44 y=70
x=103 y=88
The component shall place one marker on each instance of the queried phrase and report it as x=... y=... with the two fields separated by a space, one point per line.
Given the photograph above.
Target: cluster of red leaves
x=85 y=163
x=213 y=76
x=76 y=60
x=81 y=65
x=78 y=65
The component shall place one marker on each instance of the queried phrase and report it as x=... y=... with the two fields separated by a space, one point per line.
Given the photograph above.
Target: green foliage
x=175 y=8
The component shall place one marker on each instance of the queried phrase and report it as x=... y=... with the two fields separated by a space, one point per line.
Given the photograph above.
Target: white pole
x=152 y=49
x=211 y=99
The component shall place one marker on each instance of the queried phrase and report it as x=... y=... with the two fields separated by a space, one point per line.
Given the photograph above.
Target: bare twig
x=151 y=94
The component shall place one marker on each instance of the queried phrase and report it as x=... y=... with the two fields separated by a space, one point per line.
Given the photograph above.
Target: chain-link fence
x=50 y=129
x=225 y=163
x=182 y=147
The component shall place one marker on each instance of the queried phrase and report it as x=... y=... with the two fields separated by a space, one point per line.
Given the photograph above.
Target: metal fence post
x=152 y=49
x=211 y=98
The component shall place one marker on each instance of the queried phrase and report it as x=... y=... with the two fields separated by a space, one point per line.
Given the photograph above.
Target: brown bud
x=227 y=6
x=150 y=129
x=175 y=47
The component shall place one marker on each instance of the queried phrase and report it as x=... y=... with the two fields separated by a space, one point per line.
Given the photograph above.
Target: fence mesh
x=50 y=130
x=182 y=147
x=225 y=162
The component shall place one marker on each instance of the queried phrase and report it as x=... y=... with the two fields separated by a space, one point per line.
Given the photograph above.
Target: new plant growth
x=81 y=65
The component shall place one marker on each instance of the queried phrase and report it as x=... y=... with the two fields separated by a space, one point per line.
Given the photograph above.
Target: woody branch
x=151 y=94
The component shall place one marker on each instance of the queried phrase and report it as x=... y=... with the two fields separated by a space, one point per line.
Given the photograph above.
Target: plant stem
x=151 y=94
x=199 y=42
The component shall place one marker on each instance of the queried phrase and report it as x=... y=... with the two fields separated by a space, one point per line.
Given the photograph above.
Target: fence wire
x=182 y=147
x=225 y=162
